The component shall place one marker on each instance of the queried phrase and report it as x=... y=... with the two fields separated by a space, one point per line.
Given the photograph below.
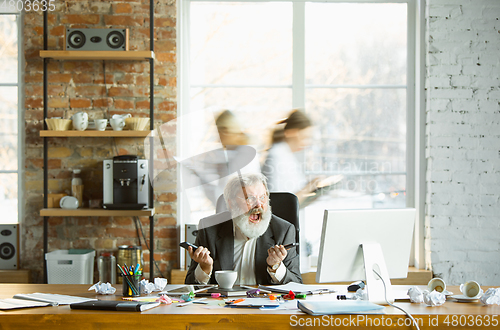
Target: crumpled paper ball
x=416 y=295
x=434 y=298
x=158 y=285
x=360 y=294
x=103 y=288
x=491 y=296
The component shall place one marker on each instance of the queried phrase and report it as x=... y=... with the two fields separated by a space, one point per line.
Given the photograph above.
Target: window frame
x=20 y=112
x=415 y=111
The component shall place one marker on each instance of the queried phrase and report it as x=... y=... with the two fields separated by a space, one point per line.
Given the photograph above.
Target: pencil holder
x=131 y=285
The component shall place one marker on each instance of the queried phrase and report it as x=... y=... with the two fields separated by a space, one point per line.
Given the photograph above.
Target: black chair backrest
x=284 y=205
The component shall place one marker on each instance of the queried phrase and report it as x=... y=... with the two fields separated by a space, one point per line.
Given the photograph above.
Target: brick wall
x=463 y=140
x=79 y=86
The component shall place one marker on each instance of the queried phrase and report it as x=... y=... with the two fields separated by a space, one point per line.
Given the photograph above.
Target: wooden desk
x=415 y=277
x=197 y=317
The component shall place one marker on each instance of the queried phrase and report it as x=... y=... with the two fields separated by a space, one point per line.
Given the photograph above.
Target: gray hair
x=236 y=183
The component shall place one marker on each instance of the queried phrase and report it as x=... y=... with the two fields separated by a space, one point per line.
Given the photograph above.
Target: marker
x=206 y=294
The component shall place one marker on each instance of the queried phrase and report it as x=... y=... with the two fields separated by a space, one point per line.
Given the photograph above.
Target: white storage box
x=73 y=266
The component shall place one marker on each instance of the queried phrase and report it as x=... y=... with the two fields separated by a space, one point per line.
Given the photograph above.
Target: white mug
x=471 y=289
x=226 y=278
x=436 y=284
x=80 y=121
x=117 y=123
x=100 y=124
x=122 y=117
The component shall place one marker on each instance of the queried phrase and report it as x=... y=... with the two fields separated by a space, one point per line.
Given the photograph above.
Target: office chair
x=283 y=204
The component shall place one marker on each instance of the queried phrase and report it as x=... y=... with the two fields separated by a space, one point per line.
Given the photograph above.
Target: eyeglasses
x=253 y=199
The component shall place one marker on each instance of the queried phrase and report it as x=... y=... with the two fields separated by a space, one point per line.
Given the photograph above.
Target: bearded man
x=251 y=243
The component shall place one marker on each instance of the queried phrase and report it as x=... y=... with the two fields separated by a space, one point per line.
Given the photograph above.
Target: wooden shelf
x=94 y=133
x=56 y=212
x=137 y=55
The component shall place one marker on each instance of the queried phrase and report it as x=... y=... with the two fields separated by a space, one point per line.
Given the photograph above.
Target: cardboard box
x=54 y=199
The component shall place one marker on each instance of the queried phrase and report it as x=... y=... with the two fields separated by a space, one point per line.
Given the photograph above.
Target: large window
x=9 y=116
x=345 y=63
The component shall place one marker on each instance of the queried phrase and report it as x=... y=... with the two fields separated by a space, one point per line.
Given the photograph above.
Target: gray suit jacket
x=219 y=239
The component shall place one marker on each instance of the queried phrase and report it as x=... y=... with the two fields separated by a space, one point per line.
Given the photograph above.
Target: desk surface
x=450 y=315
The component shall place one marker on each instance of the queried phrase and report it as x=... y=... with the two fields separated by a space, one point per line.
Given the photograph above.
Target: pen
x=289 y=246
x=126 y=278
x=238 y=301
x=137 y=270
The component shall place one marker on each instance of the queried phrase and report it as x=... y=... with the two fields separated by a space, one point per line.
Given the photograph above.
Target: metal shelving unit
x=46 y=134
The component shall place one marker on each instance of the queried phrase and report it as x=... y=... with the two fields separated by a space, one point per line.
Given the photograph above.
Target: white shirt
x=244 y=262
x=283 y=170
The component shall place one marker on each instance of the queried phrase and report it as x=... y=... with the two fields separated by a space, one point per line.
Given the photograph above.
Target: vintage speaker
x=191 y=232
x=96 y=39
x=9 y=247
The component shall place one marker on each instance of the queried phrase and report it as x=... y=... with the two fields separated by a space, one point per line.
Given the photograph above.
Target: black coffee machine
x=125 y=183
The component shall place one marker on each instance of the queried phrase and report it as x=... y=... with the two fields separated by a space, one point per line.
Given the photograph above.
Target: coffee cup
x=471 y=289
x=117 y=123
x=128 y=115
x=436 y=284
x=100 y=124
x=80 y=121
x=226 y=278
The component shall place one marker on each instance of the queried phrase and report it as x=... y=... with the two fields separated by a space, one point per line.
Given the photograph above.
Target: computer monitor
x=355 y=241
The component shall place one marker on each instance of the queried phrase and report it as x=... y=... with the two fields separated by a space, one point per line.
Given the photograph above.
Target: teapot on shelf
x=80 y=121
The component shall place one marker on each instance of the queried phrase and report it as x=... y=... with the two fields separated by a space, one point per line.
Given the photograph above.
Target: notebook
x=115 y=305
x=234 y=291
x=53 y=299
x=324 y=187
x=337 y=307
x=298 y=288
x=256 y=303
x=178 y=290
x=12 y=303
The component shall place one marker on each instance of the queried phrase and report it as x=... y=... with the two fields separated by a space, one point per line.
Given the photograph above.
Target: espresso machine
x=125 y=183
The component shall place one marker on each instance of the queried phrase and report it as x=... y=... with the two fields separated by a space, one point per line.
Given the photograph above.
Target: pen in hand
x=289 y=246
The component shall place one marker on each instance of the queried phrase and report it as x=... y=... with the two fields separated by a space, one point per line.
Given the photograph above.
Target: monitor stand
x=374 y=261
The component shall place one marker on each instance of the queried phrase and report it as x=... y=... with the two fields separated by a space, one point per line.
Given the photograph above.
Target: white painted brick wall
x=463 y=140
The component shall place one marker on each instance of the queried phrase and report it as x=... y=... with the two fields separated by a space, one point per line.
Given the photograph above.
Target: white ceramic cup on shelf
x=471 y=289
x=100 y=124
x=117 y=123
x=80 y=121
x=226 y=278
x=122 y=117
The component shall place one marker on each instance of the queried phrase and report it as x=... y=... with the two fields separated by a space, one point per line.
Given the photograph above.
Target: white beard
x=249 y=229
